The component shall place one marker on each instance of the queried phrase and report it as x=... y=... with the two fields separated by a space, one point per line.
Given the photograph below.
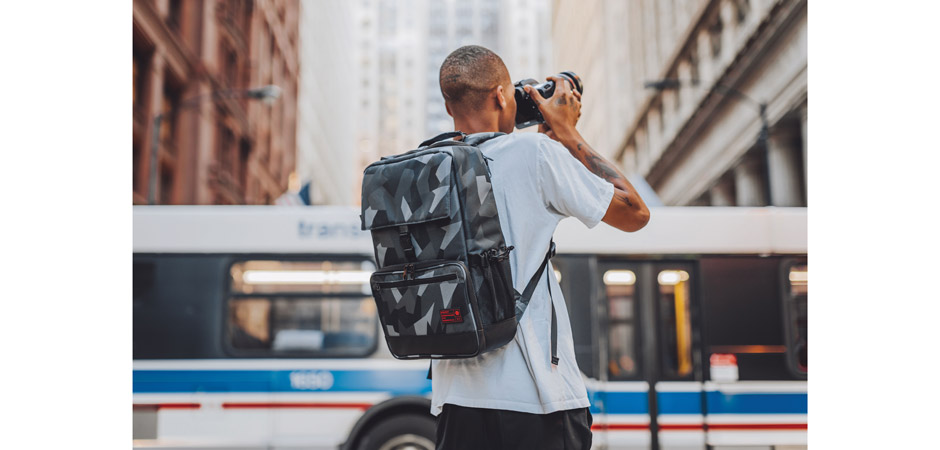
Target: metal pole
x=154 y=160
x=263 y=93
x=765 y=148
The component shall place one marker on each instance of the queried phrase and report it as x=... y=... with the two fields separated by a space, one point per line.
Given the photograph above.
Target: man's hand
x=626 y=211
x=561 y=111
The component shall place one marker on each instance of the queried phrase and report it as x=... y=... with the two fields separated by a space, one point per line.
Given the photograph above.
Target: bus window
x=301 y=308
x=796 y=315
x=676 y=323
x=621 y=301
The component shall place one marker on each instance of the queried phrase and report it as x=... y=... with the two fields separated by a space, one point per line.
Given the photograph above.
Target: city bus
x=254 y=327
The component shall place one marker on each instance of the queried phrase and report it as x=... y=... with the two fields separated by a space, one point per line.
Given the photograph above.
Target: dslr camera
x=527 y=112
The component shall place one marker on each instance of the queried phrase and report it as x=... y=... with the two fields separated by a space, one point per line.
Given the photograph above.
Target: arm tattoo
x=561 y=101
x=623 y=197
x=603 y=169
x=598 y=165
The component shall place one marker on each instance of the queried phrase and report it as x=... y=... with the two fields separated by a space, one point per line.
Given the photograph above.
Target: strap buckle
x=404 y=239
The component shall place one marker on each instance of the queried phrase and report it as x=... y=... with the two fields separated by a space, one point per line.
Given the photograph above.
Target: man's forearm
x=627 y=211
x=594 y=162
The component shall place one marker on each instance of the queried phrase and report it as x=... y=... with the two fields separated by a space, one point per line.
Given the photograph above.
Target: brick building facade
x=193 y=60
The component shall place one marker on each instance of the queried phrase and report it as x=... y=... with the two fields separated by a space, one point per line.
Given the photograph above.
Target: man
x=514 y=397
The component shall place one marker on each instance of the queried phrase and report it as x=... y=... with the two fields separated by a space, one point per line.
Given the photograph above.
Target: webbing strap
x=554 y=324
x=530 y=289
x=404 y=238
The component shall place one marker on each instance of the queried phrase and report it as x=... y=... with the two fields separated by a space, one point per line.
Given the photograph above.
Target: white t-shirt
x=536 y=183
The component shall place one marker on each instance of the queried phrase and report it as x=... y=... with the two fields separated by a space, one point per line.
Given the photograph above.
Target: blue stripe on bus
x=757 y=403
x=619 y=402
x=399 y=382
x=679 y=402
x=691 y=403
x=393 y=381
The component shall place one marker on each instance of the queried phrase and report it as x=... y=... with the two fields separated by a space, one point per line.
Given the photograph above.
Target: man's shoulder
x=520 y=137
x=533 y=143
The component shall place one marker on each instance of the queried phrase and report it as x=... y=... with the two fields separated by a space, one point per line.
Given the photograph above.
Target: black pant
x=462 y=428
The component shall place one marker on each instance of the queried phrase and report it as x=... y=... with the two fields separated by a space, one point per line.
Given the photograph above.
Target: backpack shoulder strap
x=441 y=137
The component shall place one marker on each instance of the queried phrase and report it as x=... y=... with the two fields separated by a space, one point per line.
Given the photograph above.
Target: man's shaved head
x=469 y=75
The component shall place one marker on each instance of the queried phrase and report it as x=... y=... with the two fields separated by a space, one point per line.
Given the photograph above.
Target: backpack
x=443 y=288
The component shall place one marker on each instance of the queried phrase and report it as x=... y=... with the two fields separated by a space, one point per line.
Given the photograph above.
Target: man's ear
x=500 y=97
x=447 y=107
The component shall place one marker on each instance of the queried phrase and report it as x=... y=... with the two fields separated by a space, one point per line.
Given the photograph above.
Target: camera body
x=527 y=112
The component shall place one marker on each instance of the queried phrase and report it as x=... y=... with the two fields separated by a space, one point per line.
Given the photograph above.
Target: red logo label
x=451 y=316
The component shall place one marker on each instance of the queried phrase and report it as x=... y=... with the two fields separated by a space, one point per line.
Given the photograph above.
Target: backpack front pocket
x=427 y=309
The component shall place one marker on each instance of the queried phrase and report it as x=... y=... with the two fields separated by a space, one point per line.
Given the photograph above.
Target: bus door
x=620 y=396
x=673 y=356
x=649 y=388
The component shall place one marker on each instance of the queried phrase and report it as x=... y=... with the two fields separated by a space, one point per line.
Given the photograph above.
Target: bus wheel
x=402 y=432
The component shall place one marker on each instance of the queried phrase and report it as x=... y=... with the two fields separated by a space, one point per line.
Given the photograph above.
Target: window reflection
x=674 y=315
x=797 y=316
x=257 y=277
x=249 y=323
x=334 y=326
x=621 y=319
x=315 y=308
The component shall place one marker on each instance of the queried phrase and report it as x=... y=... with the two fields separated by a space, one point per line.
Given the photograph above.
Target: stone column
x=705 y=61
x=729 y=23
x=749 y=182
x=722 y=193
x=803 y=134
x=684 y=93
x=783 y=166
x=654 y=133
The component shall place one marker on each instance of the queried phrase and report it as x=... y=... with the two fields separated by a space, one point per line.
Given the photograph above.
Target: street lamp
x=672 y=83
x=267 y=94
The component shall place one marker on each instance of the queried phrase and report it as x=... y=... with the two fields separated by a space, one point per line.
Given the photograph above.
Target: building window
x=714 y=33
x=136 y=168
x=226 y=151
x=244 y=153
x=169 y=109
x=660 y=112
x=230 y=68
x=174 y=14
x=166 y=186
x=743 y=7
x=141 y=70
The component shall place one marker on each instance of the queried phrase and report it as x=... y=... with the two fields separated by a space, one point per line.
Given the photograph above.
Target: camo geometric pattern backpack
x=443 y=288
